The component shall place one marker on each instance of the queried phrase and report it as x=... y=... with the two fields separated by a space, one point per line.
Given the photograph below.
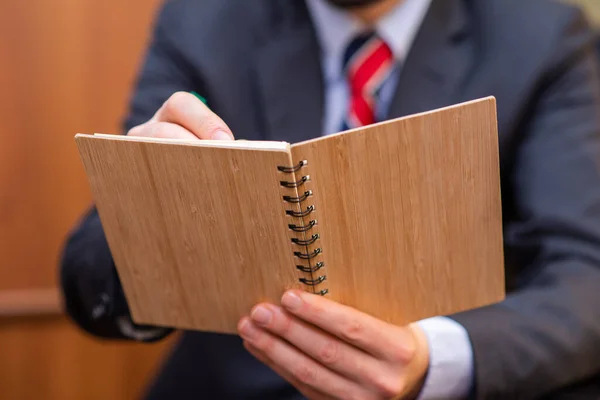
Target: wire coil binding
x=303 y=228
x=301 y=214
x=308 y=242
x=295 y=168
x=295 y=184
x=299 y=199
x=308 y=256
x=317 y=267
x=313 y=282
x=305 y=242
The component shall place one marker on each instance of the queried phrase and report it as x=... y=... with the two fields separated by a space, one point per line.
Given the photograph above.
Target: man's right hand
x=184 y=116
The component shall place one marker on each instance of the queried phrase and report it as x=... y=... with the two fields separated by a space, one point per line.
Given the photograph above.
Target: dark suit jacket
x=257 y=62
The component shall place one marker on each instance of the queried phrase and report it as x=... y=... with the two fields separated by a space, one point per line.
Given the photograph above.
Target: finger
x=382 y=340
x=188 y=111
x=328 y=350
x=162 y=130
x=300 y=366
x=302 y=388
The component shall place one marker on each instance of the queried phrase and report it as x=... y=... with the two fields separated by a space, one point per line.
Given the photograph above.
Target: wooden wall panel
x=45 y=358
x=66 y=66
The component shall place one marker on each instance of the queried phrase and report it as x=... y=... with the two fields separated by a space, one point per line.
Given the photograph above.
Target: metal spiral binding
x=295 y=168
x=300 y=214
x=299 y=199
x=308 y=256
x=295 y=184
x=305 y=227
x=317 y=267
x=308 y=242
x=313 y=282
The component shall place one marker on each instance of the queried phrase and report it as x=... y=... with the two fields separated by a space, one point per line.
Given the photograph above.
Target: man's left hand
x=327 y=350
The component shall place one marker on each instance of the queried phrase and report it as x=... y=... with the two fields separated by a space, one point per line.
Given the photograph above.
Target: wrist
x=419 y=364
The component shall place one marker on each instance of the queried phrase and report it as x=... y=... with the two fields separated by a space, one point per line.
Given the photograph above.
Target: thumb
x=188 y=111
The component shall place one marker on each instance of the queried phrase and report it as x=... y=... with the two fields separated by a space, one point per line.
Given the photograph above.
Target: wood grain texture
x=199 y=235
x=409 y=213
x=45 y=357
x=65 y=66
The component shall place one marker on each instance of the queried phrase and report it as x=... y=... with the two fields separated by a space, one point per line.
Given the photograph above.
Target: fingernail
x=261 y=315
x=221 y=135
x=247 y=330
x=291 y=300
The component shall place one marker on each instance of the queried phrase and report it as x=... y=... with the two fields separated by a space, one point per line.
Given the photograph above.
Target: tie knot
x=367 y=61
x=355 y=45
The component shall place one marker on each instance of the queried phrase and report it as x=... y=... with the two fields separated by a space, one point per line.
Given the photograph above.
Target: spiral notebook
x=400 y=219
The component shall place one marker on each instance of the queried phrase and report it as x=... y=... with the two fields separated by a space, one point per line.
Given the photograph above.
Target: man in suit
x=291 y=70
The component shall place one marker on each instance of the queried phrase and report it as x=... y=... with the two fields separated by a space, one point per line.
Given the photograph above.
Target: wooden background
x=66 y=66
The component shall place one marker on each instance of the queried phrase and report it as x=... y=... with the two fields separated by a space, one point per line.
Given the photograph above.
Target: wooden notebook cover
x=198 y=234
x=409 y=213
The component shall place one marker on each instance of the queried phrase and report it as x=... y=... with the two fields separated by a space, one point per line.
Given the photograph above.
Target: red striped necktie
x=368 y=62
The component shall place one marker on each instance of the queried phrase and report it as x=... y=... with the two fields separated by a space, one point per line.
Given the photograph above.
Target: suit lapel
x=437 y=63
x=289 y=79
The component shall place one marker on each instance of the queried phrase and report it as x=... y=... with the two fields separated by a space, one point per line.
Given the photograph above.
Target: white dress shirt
x=450 y=374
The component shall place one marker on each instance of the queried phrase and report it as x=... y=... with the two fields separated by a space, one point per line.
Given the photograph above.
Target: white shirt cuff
x=450 y=374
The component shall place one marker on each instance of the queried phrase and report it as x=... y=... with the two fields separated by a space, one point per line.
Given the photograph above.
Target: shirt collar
x=335 y=29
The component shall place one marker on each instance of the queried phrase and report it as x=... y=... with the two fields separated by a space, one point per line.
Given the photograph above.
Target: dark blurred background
x=66 y=66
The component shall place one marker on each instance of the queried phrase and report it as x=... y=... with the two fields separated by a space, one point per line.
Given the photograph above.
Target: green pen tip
x=202 y=99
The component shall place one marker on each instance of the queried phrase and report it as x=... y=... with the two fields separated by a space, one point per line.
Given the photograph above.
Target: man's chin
x=352 y=3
